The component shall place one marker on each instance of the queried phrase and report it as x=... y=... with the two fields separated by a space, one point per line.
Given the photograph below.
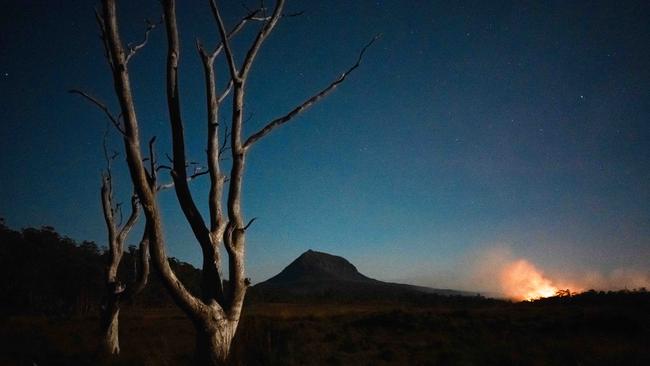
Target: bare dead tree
x=216 y=312
x=116 y=291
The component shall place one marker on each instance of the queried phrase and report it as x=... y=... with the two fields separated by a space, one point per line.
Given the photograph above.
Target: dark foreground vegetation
x=46 y=274
x=51 y=290
x=607 y=332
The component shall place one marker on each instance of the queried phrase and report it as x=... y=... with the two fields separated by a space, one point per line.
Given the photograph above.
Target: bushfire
x=521 y=280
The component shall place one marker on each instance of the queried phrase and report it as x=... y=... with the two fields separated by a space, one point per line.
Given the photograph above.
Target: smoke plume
x=498 y=272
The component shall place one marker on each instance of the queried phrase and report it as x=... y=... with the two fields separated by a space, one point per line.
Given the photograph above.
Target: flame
x=521 y=280
x=497 y=269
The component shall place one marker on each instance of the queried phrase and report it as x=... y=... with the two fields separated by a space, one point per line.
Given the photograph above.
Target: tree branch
x=214 y=169
x=130 y=222
x=223 y=146
x=215 y=150
x=249 y=224
x=102 y=29
x=307 y=103
x=290 y=15
x=252 y=15
x=179 y=175
x=190 y=178
x=134 y=49
x=225 y=42
x=107 y=206
x=226 y=91
x=261 y=36
x=152 y=162
x=143 y=275
x=101 y=106
x=236 y=29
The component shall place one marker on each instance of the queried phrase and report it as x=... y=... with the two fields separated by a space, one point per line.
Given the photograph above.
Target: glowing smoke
x=498 y=272
x=521 y=280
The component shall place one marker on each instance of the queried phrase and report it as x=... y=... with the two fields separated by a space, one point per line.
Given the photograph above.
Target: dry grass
x=355 y=334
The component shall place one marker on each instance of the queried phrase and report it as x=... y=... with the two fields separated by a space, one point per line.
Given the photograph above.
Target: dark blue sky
x=469 y=125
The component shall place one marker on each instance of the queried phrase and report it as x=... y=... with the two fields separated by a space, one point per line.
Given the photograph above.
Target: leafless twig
x=189 y=178
x=249 y=223
x=133 y=49
x=101 y=106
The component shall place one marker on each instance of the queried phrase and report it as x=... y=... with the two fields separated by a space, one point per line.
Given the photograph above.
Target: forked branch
x=261 y=37
x=236 y=29
x=133 y=49
x=251 y=16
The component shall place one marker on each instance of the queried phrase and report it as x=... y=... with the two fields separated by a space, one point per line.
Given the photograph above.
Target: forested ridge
x=43 y=272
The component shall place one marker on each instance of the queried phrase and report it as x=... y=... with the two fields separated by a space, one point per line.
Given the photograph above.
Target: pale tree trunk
x=110 y=342
x=216 y=312
x=116 y=295
x=213 y=344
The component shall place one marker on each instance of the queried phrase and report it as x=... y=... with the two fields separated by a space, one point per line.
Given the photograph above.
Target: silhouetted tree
x=563 y=293
x=216 y=312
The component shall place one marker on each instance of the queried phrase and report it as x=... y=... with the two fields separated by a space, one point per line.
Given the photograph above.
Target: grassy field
x=498 y=333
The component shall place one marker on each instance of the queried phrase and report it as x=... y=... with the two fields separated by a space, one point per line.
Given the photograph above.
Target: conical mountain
x=313 y=266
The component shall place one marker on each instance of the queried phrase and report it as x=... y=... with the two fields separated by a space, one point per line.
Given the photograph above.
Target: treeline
x=42 y=272
x=634 y=297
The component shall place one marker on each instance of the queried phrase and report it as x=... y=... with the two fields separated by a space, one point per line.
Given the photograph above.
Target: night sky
x=469 y=126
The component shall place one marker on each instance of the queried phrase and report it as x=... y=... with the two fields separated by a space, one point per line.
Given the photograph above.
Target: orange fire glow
x=521 y=280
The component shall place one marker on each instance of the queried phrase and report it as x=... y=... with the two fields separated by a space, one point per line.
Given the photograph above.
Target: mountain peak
x=318 y=266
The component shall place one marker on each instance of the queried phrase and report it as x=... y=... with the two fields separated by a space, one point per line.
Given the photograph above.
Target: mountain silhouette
x=312 y=266
x=321 y=275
